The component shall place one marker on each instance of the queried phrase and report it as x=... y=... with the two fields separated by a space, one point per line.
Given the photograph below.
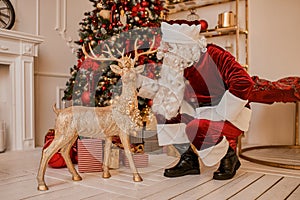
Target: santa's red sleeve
x=238 y=86
x=235 y=77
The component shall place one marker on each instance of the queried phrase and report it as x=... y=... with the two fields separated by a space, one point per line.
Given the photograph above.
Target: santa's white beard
x=168 y=99
x=176 y=57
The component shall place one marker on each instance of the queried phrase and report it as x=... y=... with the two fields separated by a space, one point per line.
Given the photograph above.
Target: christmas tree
x=116 y=23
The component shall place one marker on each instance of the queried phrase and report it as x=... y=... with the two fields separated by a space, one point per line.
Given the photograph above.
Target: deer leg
x=107 y=150
x=65 y=152
x=125 y=141
x=47 y=153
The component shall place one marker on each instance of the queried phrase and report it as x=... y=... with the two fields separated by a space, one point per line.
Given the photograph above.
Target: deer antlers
x=150 y=51
x=124 y=61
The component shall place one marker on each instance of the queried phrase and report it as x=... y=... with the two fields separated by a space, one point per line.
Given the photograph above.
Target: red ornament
x=135 y=8
x=150 y=102
x=140 y=42
x=85 y=97
x=204 y=25
x=145 y=4
x=90 y=64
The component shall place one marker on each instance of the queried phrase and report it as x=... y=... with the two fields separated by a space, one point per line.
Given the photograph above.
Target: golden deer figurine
x=121 y=119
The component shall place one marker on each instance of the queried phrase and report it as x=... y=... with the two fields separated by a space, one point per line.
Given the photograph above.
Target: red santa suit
x=216 y=92
x=214 y=103
x=222 y=87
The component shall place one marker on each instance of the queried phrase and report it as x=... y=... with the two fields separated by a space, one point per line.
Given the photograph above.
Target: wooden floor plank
x=192 y=182
x=107 y=196
x=231 y=187
x=295 y=195
x=282 y=189
x=18 y=181
x=258 y=187
x=165 y=185
x=253 y=167
x=75 y=192
x=12 y=180
x=28 y=188
x=204 y=189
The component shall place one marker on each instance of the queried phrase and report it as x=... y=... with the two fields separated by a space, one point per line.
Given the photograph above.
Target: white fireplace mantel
x=17 y=50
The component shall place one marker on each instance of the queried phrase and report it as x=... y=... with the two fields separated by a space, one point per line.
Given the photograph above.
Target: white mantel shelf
x=17 y=50
x=29 y=46
x=21 y=36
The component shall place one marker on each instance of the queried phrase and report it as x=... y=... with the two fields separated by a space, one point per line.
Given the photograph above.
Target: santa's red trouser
x=204 y=133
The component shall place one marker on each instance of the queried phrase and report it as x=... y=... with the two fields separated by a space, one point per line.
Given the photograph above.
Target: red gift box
x=140 y=159
x=57 y=161
x=90 y=153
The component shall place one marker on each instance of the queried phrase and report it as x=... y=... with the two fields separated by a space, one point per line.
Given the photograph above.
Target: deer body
x=122 y=118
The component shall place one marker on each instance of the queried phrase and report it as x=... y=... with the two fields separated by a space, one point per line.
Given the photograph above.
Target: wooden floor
x=18 y=181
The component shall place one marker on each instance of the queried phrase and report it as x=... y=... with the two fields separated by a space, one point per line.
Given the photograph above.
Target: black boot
x=228 y=166
x=187 y=165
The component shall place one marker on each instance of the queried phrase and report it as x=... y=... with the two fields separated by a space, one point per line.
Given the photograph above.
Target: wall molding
x=61 y=104
x=54 y=75
x=61 y=24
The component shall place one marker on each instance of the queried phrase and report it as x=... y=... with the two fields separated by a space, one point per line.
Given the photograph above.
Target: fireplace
x=17 y=52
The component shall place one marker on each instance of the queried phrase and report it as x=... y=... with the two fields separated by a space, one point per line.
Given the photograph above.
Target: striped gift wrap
x=90 y=155
x=140 y=159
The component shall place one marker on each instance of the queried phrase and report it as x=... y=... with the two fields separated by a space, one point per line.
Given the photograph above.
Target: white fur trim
x=230 y=106
x=242 y=121
x=214 y=154
x=180 y=33
x=171 y=134
x=208 y=112
x=149 y=87
x=187 y=108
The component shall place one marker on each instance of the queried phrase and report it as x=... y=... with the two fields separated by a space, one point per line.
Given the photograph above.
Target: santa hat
x=181 y=31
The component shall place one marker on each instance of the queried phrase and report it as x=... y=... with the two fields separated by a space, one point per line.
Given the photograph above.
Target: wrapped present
x=90 y=155
x=57 y=161
x=114 y=159
x=140 y=159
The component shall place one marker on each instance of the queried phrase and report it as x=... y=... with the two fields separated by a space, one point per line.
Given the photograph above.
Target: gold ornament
x=100 y=5
x=105 y=14
x=123 y=17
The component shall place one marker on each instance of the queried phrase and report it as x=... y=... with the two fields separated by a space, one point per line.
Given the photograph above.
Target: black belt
x=202 y=104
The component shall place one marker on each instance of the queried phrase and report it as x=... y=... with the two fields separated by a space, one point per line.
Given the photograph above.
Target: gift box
x=114 y=159
x=90 y=155
x=57 y=161
x=140 y=159
x=149 y=139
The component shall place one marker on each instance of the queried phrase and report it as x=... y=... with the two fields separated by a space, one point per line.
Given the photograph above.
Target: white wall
x=55 y=57
x=273 y=54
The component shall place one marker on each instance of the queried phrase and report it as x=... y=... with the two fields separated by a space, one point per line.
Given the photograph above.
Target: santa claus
x=201 y=100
